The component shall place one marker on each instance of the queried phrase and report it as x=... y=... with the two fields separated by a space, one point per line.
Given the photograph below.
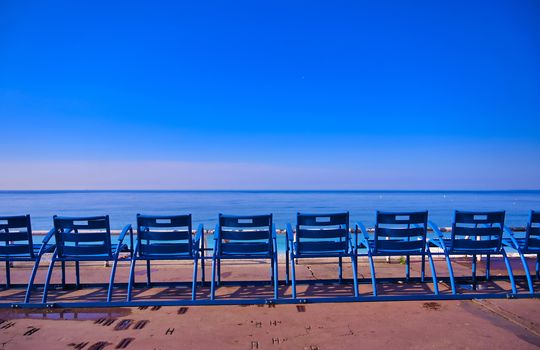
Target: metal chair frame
x=75 y=246
x=326 y=236
x=173 y=240
x=244 y=237
x=398 y=234
x=474 y=233
x=16 y=236
x=530 y=244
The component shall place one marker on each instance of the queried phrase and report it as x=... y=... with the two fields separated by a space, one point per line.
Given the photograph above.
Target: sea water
x=122 y=206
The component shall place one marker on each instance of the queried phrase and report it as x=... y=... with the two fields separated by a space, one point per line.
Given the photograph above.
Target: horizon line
x=270 y=190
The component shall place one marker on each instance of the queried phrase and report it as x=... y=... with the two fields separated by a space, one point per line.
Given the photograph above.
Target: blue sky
x=270 y=95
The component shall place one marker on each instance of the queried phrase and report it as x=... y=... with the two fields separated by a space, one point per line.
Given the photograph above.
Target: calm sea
x=205 y=205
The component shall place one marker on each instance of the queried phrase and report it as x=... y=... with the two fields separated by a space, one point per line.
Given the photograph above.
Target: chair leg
x=408 y=268
x=219 y=272
x=527 y=272
x=202 y=257
x=423 y=272
x=63 y=266
x=48 y=279
x=451 y=273
x=340 y=269
x=272 y=270
x=488 y=267
x=473 y=271
x=287 y=265
x=32 y=278
x=8 y=274
x=77 y=275
x=194 y=281
x=538 y=266
x=293 y=277
x=111 y=281
x=510 y=273
x=148 y=277
x=433 y=273
x=355 y=275
x=373 y=277
x=213 y=283
x=276 y=278
x=131 y=280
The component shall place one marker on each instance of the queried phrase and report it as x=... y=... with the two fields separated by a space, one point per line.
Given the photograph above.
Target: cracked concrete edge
x=508 y=315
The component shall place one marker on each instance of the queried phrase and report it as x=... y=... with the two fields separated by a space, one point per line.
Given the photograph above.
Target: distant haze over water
x=122 y=206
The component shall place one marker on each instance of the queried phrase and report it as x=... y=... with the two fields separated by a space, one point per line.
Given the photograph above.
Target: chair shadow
x=71 y=294
x=498 y=285
x=248 y=292
x=320 y=290
x=405 y=288
x=180 y=292
x=15 y=295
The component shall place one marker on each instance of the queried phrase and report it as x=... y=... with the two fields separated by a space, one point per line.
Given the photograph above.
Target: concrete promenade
x=474 y=324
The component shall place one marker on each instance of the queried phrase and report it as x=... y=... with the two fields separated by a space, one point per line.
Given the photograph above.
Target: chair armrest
x=363 y=230
x=48 y=236
x=216 y=240
x=438 y=241
x=46 y=240
x=436 y=229
x=216 y=233
x=513 y=241
x=364 y=239
x=200 y=233
x=290 y=233
x=508 y=231
x=274 y=239
x=198 y=237
x=353 y=238
x=125 y=230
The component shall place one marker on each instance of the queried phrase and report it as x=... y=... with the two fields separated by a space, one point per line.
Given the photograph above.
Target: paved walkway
x=475 y=324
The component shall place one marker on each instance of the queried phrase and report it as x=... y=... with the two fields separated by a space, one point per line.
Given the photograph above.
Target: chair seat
x=98 y=257
x=124 y=248
x=174 y=256
x=448 y=244
x=320 y=254
x=261 y=255
x=388 y=252
x=49 y=248
x=533 y=247
x=321 y=248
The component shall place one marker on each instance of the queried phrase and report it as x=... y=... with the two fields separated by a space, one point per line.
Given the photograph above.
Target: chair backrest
x=480 y=231
x=164 y=235
x=319 y=233
x=533 y=232
x=245 y=234
x=83 y=236
x=16 y=236
x=400 y=232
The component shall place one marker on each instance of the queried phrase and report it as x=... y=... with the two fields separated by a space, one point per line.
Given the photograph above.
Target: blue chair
x=320 y=236
x=530 y=244
x=167 y=237
x=84 y=239
x=398 y=234
x=474 y=233
x=16 y=242
x=244 y=237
